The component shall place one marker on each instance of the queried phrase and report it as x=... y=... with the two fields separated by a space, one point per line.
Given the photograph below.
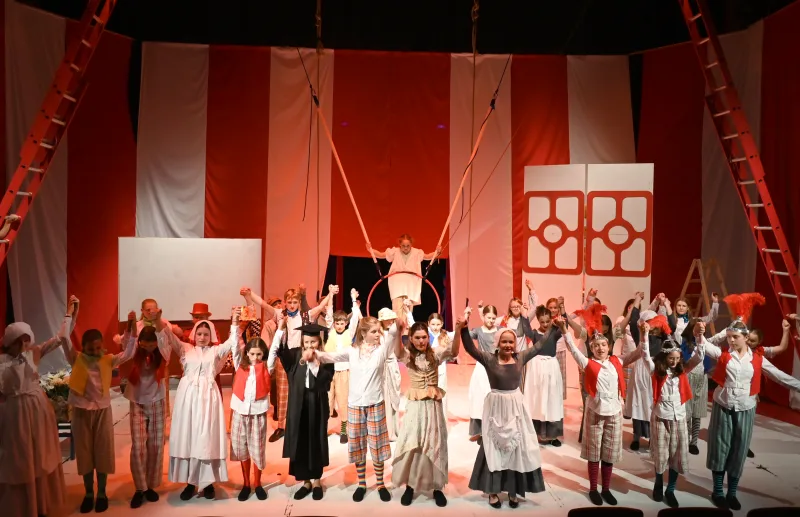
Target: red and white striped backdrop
x=223 y=151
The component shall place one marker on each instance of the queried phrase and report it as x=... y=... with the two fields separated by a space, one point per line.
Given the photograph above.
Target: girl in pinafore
x=508 y=458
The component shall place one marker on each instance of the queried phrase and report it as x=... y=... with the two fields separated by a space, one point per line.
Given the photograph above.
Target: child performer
x=366 y=412
x=249 y=406
x=660 y=328
x=605 y=385
x=340 y=341
x=421 y=451
x=391 y=378
x=508 y=457
x=738 y=377
x=479 y=386
x=297 y=318
x=439 y=337
x=518 y=322
x=92 y=421
x=672 y=393
x=146 y=392
x=197 y=451
x=31 y=477
x=544 y=383
x=306 y=444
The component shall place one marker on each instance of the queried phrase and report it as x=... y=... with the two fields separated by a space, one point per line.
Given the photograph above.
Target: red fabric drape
x=671 y=137
x=391 y=114
x=237 y=140
x=101 y=186
x=780 y=110
x=540 y=129
x=4 y=267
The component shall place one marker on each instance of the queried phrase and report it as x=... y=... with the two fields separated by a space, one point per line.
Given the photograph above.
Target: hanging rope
x=327 y=129
x=475 y=9
x=320 y=50
x=471 y=159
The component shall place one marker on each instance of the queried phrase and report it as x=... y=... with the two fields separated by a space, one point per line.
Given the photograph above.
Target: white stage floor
x=769 y=480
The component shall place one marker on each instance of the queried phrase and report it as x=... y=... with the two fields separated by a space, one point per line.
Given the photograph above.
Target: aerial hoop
x=381 y=279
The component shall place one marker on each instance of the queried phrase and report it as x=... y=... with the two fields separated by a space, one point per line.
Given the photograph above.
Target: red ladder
x=52 y=121
x=741 y=153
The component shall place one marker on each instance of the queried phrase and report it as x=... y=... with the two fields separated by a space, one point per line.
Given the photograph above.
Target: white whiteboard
x=180 y=272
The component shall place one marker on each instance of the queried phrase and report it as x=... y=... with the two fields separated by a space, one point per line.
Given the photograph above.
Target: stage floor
x=769 y=480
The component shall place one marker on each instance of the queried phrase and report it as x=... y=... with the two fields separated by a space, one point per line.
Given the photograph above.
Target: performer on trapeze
x=404 y=258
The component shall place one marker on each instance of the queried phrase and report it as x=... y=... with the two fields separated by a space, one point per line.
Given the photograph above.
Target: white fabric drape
x=726 y=233
x=600 y=117
x=37 y=263
x=171 y=150
x=291 y=241
x=480 y=263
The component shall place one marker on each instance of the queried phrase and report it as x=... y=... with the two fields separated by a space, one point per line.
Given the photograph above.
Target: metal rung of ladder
x=59 y=121
x=788 y=295
x=75 y=67
x=779 y=273
x=86 y=43
x=763 y=228
x=703 y=41
x=722 y=113
x=747 y=182
x=25 y=194
x=69 y=97
x=755 y=205
x=35 y=169
x=47 y=145
x=737 y=160
x=730 y=137
x=695 y=17
x=770 y=250
x=721 y=88
x=712 y=65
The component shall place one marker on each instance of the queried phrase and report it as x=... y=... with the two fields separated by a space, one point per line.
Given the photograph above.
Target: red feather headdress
x=660 y=322
x=593 y=319
x=742 y=305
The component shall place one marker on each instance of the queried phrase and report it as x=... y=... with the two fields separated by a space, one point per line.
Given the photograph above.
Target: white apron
x=544 y=389
x=478 y=389
x=639 y=399
x=509 y=439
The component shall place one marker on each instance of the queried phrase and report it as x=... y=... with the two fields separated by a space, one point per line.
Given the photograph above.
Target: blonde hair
x=363 y=327
x=291 y=293
x=405 y=237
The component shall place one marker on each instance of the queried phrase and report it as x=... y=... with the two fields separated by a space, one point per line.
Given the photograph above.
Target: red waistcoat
x=262 y=381
x=593 y=370
x=722 y=364
x=684 y=387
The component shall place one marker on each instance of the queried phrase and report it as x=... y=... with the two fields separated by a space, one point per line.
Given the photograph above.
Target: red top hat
x=200 y=308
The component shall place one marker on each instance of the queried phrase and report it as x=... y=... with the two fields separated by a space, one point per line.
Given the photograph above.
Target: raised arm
x=64 y=330
x=580 y=358
x=469 y=345
x=400 y=350
x=785 y=380
x=130 y=338
x=273 y=349
x=644 y=351
x=772 y=351
x=714 y=312
x=233 y=338
x=533 y=299
x=252 y=298
x=316 y=311
x=355 y=314
x=711 y=350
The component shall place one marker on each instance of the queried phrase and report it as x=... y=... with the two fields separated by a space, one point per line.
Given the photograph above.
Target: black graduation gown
x=306 y=440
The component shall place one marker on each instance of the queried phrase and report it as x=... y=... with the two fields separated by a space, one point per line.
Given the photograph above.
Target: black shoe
x=386 y=496
x=244 y=494
x=358 y=495
x=555 y=443
x=671 y=500
x=316 y=493
x=719 y=501
x=137 y=500
x=594 y=497
x=693 y=450
x=733 y=503
x=88 y=504
x=342 y=438
x=277 y=435
x=151 y=495
x=208 y=492
x=261 y=493
x=609 y=497
x=441 y=500
x=635 y=445
x=750 y=454
x=301 y=493
x=658 y=493
x=407 y=497
x=101 y=504
x=496 y=504
x=187 y=493
x=512 y=503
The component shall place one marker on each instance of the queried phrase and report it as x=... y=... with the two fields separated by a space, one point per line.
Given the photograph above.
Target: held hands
x=666 y=303
x=786 y=326
x=72 y=305
x=245 y=291
x=644 y=328
x=235 y=313
x=301 y=289
x=332 y=289
x=699 y=329
x=159 y=323
x=639 y=296
x=561 y=323
x=460 y=323
x=714 y=298
x=529 y=284
x=593 y=292
x=467 y=313
x=792 y=316
x=561 y=302
x=353 y=294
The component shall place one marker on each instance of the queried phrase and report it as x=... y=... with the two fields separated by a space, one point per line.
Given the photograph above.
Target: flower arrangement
x=56 y=387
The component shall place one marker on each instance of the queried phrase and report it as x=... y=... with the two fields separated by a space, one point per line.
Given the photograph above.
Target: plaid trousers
x=282 y=385
x=602 y=439
x=669 y=444
x=147 y=443
x=367 y=426
x=249 y=438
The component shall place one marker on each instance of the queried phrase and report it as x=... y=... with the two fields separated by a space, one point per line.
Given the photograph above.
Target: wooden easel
x=700 y=273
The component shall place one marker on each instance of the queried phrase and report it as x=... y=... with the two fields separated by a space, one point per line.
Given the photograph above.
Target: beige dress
x=421 y=451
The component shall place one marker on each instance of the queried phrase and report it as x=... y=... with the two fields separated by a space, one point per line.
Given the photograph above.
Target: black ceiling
x=521 y=27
